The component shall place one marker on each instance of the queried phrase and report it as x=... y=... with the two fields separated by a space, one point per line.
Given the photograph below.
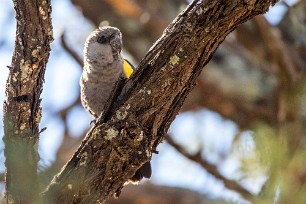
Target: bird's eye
x=112 y=36
x=102 y=39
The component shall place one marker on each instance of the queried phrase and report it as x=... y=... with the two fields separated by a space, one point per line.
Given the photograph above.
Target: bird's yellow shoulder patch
x=128 y=68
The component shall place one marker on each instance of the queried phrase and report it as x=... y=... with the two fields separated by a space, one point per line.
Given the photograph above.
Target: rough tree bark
x=22 y=111
x=118 y=144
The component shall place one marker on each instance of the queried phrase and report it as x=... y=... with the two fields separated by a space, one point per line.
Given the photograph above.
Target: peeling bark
x=22 y=111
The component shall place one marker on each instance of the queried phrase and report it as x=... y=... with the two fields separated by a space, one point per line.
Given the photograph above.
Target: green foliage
x=285 y=167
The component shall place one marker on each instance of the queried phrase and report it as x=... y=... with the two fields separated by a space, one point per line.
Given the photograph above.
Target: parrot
x=104 y=65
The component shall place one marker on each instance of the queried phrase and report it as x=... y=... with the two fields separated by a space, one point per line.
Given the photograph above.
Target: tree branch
x=22 y=111
x=230 y=184
x=116 y=147
x=73 y=54
x=209 y=95
x=149 y=194
x=278 y=52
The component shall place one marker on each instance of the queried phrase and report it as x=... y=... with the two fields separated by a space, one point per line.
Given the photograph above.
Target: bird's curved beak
x=116 y=44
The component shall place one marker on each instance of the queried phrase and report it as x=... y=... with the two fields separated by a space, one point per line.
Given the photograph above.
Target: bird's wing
x=128 y=68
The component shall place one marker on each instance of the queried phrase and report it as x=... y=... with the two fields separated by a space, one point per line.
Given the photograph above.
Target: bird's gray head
x=103 y=45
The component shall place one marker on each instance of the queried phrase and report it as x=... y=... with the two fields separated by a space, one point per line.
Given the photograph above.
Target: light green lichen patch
x=123 y=112
x=111 y=133
x=142 y=90
x=174 y=60
x=121 y=115
x=42 y=12
x=35 y=52
x=82 y=163
x=22 y=126
x=145 y=91
x=26 y=69
x=69 y=186
x=50 y=33
x=83 y=159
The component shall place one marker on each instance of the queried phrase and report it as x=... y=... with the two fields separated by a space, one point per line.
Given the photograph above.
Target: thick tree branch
x=22 y=111
x=116 y=147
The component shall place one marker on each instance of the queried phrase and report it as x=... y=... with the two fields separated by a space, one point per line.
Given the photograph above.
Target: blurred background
x=240 y=136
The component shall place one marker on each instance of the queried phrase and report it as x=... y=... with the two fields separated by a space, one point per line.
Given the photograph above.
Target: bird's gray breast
x=97 y=87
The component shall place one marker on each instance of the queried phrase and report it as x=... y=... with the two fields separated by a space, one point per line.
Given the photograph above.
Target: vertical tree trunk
x=22 y=111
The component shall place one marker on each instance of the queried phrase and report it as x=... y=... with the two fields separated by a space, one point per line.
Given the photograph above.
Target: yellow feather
x=127 y=68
